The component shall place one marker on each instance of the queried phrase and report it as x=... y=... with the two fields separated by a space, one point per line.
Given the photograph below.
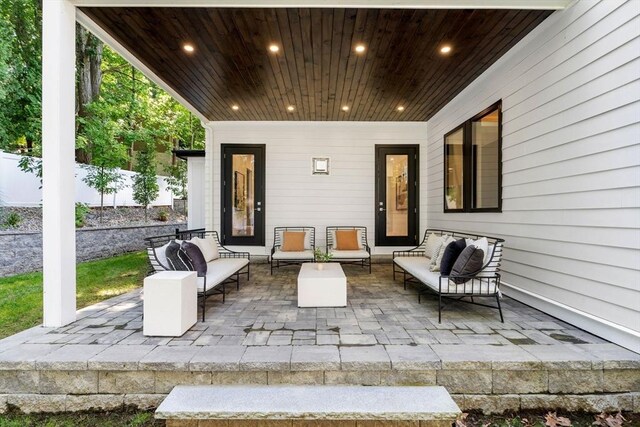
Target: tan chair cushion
x=347 y=240
x=293 y=241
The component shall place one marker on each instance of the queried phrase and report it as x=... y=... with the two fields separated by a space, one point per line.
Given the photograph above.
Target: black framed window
x=473 y=163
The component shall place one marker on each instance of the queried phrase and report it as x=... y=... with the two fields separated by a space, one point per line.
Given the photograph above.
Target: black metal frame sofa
x=414 y=266
x=221 y=271
x=361 y=256
x=282 y=258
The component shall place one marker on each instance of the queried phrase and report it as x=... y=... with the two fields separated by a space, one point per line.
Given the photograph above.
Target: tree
x=145 y=184
x=106 y=153
x=177 y=179
x=20 y=74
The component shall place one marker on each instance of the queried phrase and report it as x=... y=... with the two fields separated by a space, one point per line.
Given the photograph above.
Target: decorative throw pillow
x=177 y=258
x=333 y=238
x=432 y=246
x=469 y=262
x=197 y=258
x=347 y=240
x=161 y=255
x=481 y=243
x=293 y=241
x=434 y=265
x=451 y=253
x=207 y=246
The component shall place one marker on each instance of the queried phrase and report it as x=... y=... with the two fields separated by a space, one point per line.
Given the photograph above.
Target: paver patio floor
x=264 y=313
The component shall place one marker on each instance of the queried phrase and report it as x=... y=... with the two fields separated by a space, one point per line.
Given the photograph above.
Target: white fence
x=18 y=188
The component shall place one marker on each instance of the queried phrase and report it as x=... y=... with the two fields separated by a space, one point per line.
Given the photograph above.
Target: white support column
x=195 y=190
x=58 y=157
x=209 y=196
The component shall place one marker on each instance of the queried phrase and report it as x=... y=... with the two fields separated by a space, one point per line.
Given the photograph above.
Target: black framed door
x=243 y=189
x=396 y=206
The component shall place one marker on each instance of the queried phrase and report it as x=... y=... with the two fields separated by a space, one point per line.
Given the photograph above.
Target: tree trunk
x=89 y=77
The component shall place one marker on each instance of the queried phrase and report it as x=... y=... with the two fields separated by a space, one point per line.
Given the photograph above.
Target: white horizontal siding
x=571 y=160
x=295 y=197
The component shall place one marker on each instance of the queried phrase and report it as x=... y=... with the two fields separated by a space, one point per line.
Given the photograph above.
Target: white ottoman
x=322 y=288
x=170 y=303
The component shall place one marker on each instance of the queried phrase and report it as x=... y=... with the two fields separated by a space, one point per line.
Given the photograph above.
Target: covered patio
x=561 y=92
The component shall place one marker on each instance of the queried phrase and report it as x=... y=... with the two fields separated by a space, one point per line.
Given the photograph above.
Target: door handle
x=381 y=209
x=258 y=209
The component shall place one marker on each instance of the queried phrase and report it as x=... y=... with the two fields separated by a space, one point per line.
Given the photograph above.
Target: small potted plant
x=321 y=258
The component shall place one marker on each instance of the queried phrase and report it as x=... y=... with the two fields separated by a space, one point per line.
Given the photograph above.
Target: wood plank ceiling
x=317 y=70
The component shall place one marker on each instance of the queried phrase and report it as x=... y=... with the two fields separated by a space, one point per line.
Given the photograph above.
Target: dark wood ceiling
x=317 y=69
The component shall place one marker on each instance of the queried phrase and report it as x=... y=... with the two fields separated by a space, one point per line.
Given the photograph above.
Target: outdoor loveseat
x=484 y=282
x=226 y=267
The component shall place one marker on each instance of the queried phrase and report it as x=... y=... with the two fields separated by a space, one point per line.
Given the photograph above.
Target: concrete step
x=244 y=405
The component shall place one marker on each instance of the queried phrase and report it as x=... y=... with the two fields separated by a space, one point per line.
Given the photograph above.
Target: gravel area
x=31 y=218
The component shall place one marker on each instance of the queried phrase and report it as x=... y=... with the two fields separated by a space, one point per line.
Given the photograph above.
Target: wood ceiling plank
x=466 y=45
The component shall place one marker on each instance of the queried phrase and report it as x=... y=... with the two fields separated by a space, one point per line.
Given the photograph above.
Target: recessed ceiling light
x=235 y=107
x=445 y=49
x=345 y=108
x=188 y=47
x=274 y=48
x=360 y=48
x=400 y=108
x=291 y=108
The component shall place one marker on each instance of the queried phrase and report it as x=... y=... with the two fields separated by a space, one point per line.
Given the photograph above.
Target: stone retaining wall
x=491 y=391
x=22 y=252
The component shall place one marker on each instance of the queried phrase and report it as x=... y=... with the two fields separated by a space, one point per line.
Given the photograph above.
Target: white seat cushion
x=293 y=255
x=349 y=254
x=418 y=267
x=219 y=270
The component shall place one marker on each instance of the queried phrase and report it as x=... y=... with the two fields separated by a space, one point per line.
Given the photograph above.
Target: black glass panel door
x=243 y=190
x=396 y=205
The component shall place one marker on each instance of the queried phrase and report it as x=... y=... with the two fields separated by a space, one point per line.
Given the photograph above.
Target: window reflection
x=454 y=177
x=397 y=195
x=242 y=195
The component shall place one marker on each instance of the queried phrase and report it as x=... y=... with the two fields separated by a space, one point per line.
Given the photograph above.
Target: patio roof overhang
x=58 y=106
x=316 y=74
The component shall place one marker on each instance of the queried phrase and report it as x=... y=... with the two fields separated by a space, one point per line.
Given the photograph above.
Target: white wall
x=18 y=188
x=571 y=166
x=294 y=196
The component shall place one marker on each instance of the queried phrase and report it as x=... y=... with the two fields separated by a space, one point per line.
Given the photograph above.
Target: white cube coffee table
x=170 y=303
x=322 y=288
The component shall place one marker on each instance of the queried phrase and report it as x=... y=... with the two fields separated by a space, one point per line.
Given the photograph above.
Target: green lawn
x=21 y=295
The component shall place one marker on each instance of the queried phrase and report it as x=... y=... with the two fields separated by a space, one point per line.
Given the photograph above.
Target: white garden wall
x=296 y=197
x=571 y=166
x=18 y=188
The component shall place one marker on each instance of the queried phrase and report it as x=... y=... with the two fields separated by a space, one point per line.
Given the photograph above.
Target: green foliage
x=125 y=111
x=21 y=295
x=322 y=256
x=82 y=210
x=20 y=74
x=12 y=220
x=145 y=185
x=163 y=216
x=177 y=179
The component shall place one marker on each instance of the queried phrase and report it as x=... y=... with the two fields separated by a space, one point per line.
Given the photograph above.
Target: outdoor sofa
x=484 y=282
x=360 y=255
x=226 y=268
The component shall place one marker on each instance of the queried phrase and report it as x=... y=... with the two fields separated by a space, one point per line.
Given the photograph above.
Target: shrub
x=12 y=220
x=82 y=210
x=163 y=216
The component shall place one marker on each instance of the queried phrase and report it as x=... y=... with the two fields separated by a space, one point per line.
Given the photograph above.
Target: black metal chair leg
x=369 y=265
x=204 y=299
x=224 y=292
x=499 y=308
x=439 y=308
x=237 y=281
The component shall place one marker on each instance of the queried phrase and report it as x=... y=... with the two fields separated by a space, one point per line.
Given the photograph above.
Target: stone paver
x=365 y=358
x=315 y=358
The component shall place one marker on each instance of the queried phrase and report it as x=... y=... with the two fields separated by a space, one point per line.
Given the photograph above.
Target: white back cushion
x=208 y=247
x=433 y=245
